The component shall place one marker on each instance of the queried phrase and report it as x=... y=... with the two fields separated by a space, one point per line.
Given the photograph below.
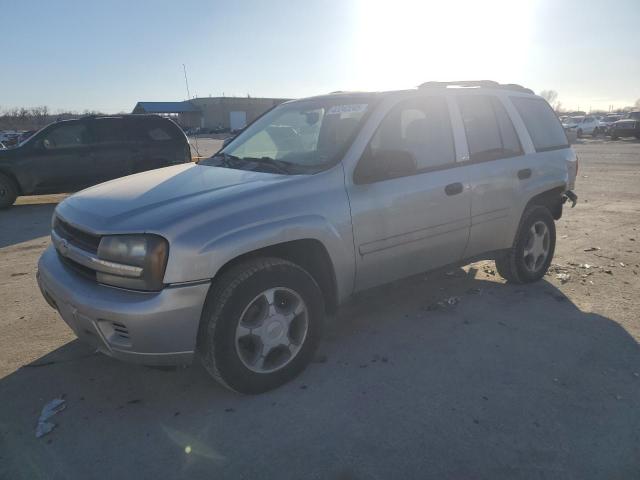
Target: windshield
x=298 y=137
x=634 y=115
x=574 y=119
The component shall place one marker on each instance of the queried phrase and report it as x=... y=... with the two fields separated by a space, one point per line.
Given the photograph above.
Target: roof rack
x=477 y=84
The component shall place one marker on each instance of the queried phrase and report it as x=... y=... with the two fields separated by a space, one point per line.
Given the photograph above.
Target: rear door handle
x=453 y=188
x=524 y=173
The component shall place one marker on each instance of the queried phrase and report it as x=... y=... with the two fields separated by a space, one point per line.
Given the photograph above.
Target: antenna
x=186 y=81
x=184 y=69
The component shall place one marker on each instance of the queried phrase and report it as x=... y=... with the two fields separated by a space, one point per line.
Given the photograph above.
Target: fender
x=529 y=193
x=219 y=251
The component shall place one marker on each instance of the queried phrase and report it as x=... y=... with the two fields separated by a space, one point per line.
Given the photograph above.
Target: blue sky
x=107 y=55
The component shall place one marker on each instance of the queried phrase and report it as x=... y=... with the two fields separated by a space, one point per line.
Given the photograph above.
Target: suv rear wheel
x=532 y=251
x=261 y=324
x=8 y=191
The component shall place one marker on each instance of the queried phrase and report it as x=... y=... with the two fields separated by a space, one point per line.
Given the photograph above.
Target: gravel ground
x=538 y=381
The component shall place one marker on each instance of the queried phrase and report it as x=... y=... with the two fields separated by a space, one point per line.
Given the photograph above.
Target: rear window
x=542 y=124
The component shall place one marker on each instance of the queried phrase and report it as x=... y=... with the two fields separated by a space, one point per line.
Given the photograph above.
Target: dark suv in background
x=71 y=155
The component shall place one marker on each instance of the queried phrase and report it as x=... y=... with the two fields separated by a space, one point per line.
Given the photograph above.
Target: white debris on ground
x=49 y=410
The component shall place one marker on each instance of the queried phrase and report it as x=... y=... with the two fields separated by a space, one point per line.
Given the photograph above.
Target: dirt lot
x=539 y=381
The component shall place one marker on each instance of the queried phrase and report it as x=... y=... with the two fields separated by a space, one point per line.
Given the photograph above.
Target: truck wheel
x=260 y=325
x=595 y=132
x=8 y=191
x=614 y=136
x=529 y=258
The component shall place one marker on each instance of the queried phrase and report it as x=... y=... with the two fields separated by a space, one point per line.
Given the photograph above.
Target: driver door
x=62 y=160
x=411 y=221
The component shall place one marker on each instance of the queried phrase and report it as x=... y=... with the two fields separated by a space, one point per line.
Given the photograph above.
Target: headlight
x=134 y=261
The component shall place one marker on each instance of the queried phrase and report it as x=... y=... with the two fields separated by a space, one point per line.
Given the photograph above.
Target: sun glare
x=406 y=42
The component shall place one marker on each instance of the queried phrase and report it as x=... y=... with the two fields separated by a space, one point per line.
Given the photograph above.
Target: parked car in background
x=587 y=125
x=10 y=138
x=607 y=121
x=236 y=260
x=73 y=154
x=627 y=127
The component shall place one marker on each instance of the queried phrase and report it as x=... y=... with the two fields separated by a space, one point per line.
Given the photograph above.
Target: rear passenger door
x=155 y=144
x=112 y=149
x=496 y=166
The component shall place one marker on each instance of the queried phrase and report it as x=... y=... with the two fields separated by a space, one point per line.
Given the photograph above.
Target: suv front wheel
x=8 y=191
x=261 y=324
x=532 y=251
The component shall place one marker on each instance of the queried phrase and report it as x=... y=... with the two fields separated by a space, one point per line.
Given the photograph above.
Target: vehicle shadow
x=441 y=376
x=21 y=223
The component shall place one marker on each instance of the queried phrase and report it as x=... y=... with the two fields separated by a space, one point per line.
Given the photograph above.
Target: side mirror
x=378 y=165
x=227 y=141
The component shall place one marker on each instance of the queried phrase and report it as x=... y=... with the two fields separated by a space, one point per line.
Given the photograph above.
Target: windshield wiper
x=226 y=160
x=279 y=165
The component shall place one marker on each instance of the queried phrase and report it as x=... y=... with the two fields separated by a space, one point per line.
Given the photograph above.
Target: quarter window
x=542 y=124
x=490 y=133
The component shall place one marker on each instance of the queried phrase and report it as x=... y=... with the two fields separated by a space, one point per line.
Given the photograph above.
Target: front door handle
x=453 y=188
x=524 y=173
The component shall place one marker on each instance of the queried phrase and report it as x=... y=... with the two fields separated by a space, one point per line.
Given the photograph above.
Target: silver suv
x=238 y=258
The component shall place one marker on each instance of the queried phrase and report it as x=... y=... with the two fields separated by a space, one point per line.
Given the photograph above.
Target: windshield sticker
x=353 y=108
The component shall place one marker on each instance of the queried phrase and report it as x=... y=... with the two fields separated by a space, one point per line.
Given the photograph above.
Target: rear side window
x=490 y=133
x=109 y=130
x=542 y=124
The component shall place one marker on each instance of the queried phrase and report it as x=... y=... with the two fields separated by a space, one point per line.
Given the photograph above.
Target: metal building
x=211 y=112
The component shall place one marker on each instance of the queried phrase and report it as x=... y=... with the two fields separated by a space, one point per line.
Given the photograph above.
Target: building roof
x=165 y=107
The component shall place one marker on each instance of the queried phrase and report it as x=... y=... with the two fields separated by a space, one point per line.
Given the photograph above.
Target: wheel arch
x=551 y=199
x=308 y=253
x=7 y=173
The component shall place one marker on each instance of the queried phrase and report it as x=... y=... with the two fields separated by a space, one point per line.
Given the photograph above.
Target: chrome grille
x=79 y=238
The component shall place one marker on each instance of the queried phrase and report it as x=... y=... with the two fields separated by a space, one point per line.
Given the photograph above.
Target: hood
x=147 y=201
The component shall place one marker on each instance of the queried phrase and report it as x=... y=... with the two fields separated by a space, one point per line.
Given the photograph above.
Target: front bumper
x=152 y=328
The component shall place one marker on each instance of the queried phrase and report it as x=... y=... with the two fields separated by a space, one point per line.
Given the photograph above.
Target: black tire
x=579 y=133
x=511 y=266
x=8 y=191
x=614 y=136
x=228 y=298
x=595 y=132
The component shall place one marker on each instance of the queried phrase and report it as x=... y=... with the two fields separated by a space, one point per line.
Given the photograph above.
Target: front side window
x=297 y=137
x=490 y=133
x=544 y=128
x=420 y=127
x=66 y=136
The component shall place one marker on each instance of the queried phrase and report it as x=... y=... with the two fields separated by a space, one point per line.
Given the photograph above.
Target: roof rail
x=476 y=83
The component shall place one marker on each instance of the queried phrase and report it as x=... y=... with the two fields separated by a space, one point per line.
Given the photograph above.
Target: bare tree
x=549 y=95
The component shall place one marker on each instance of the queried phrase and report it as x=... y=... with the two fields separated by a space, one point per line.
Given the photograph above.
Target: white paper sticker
x=353 y=108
